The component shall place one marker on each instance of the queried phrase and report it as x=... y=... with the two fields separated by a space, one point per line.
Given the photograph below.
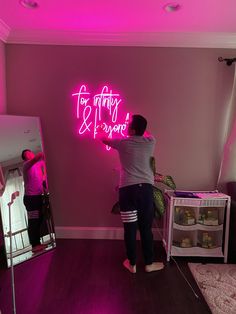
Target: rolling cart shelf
x=195 y=226
x=196 y=251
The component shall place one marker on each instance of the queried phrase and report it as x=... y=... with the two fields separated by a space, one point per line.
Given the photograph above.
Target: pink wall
x=182 y=92
x=2 y=79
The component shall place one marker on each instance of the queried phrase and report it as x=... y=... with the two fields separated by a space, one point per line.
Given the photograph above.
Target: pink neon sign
x=102 y=109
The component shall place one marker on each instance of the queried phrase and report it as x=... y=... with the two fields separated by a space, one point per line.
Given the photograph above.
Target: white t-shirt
x=33 y=178
x=135 y=154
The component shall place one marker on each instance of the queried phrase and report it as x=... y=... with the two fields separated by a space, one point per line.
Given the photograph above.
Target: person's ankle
x=129 y=267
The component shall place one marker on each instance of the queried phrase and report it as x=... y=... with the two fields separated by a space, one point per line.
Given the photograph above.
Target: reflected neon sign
x=102 y=109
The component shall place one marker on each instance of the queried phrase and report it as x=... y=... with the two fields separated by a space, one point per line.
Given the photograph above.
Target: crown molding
x=162 y=39
x=4 y=31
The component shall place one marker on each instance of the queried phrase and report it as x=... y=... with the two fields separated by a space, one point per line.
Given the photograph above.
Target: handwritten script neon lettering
x=101 y=109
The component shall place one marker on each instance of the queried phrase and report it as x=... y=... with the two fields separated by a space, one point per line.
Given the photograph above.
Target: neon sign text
x=102 y=109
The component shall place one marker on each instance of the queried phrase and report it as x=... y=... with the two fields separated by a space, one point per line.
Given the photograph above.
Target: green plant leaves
x=159 y=202
x=167 y=180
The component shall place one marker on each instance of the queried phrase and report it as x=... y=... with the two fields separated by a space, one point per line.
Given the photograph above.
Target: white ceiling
x=16 y=134
x=202 y=23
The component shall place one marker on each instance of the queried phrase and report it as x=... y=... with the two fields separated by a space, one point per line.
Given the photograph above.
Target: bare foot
x=131 y=268
x=155 y=266
x=39 y=247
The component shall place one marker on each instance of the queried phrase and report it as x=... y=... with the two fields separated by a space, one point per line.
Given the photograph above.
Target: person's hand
x=38 y=156
x=100 y=128
x=41 y=155
x=100 y=131
x=147 y=134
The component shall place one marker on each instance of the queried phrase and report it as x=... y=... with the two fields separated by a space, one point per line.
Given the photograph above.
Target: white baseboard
x=109 y=233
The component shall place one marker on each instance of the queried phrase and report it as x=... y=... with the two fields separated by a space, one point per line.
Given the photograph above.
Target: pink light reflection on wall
x=102 y=109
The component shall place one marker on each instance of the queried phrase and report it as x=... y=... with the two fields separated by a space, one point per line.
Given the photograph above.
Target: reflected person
x=34 y=182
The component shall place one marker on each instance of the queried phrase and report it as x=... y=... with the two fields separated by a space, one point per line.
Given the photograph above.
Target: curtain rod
x=229 y=61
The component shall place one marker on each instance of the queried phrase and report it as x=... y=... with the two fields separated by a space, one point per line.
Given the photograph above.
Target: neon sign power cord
x=179 y=269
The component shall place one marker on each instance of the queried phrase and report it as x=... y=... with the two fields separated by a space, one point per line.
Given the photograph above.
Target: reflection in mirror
x=27 y=223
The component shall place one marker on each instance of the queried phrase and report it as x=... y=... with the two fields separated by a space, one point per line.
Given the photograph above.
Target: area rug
x=217 y=283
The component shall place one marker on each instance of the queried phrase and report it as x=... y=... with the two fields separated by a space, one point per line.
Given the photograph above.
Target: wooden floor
x=87 y=277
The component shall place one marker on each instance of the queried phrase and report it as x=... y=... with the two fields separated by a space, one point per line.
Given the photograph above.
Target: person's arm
x=106 y=141
x=148 y=134
x=101 y=134
x=31 y=162
x=44 y=174
x=113 y=143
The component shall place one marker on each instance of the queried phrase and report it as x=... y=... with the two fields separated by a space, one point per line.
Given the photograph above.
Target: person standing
x=34 y=182
x=136 y=191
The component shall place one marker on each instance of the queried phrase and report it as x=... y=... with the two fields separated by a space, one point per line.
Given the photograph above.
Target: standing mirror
x=18 y=223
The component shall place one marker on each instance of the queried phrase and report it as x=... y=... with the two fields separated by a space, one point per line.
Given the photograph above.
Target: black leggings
x=136 y=204
x=33 y=204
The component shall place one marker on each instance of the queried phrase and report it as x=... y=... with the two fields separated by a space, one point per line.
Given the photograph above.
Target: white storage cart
x=196 y=226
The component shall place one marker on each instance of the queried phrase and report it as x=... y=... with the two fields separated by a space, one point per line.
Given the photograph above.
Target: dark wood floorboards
x=87 y=277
